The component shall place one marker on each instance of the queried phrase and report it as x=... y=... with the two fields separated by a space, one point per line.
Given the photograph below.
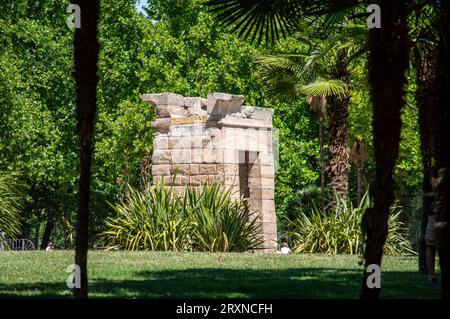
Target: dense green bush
x=11 y=202
x=339 y=232
x=149 y=219
x=202 y=219
x=219 y=222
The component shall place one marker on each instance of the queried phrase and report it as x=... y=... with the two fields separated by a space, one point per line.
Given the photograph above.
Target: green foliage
x=298 y=154
x=219 y=222
x=339 y=232
x=203 y=219
x=149 y=220
x=37 y=122
x=11 y=203
x=414 y=219
x=408 y=173
x=179 y=47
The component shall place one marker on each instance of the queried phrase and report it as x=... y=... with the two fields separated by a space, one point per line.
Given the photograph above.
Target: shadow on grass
x=303 y=283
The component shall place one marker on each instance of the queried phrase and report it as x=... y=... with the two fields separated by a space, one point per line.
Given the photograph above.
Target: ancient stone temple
x=198 y=140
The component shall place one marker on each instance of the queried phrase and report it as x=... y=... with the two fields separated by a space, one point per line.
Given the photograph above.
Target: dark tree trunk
x=338 y=150
x=422 y=244
x=441 y=138
x=426 y=100
x=67 y=229
x=322 y=161
x=388 y=62
x=86 y=56
x=359 y=184
x=47 y=233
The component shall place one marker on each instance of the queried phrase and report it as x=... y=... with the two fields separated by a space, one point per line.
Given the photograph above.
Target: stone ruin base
x=198 y=140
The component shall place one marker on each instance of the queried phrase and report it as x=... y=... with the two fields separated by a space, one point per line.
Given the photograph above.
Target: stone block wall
x=199 y=140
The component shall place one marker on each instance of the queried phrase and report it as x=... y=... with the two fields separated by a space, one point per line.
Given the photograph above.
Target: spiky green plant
x=219 y=222
x=149 y=219
x=11 y=203
x=339 y=232
x=203 y=219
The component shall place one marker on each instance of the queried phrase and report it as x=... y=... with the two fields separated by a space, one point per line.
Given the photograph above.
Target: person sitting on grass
x=50 y=247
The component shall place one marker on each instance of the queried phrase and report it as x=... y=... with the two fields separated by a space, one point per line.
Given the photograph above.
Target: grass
x=206 y=275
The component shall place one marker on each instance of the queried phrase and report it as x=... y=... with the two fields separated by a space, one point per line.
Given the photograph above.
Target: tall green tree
x=37 y=131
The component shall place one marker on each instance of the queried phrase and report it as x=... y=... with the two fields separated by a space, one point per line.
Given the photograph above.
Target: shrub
x=150 y=219
x=11 y=202
x=220 y=223
x=204 y=219
x=339 y=232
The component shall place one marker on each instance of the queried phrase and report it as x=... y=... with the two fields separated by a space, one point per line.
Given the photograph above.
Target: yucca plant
x=151 y=219
x=11 y=202
x=205 y=218
x=339 y=232
x=219 y=222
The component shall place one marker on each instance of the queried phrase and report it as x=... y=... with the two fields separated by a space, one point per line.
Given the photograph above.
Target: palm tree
x=326 y=67
x=318 y=104
x=358 y=154
x=86 y=50
x=388 y=62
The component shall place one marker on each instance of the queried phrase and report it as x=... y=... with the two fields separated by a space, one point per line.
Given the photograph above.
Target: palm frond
x=320 y=7
x=258 y=18
x=323 y=87
x=270 y=18
x=284 y=89
x=321 y=53
x=329 y=14
x=308 y=63
x=290 y=62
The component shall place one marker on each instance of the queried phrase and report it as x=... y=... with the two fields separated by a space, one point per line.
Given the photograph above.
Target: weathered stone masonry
x=197 y=140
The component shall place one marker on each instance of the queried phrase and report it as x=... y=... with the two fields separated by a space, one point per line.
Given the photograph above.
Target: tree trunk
x=68 y=233
x=322 y=162
x=338 y=150
x=86 y=57
x=359 y=185
x=422 y=245
x=47 y=233
x=388 y=63
x=441 y=138
x=426 y=100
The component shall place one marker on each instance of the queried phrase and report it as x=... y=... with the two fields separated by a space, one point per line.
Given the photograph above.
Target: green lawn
x=206 y=275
